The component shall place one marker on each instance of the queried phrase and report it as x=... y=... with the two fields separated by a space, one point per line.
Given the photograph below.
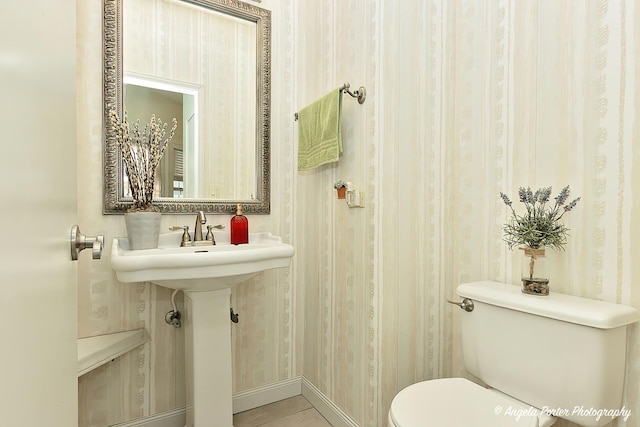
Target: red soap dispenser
x=239 y=228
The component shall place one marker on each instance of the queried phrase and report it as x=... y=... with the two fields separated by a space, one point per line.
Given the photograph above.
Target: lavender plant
x=540 y=225
x=141 y=153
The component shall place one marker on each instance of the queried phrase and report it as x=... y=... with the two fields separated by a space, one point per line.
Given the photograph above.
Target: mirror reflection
x=143 y=100
x=207 y=64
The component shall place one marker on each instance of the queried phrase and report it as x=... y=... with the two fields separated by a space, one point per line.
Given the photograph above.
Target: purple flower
x=505 y=199
x=571 y=205
x=562 y=197
x=522 y=192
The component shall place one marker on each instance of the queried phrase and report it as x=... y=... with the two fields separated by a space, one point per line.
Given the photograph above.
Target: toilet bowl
x=458 y=402
x=557 y=351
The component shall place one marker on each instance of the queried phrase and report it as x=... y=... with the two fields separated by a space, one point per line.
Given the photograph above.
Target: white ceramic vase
x=143 y=229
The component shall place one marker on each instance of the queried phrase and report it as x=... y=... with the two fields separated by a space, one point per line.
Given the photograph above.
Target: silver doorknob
x=79 y=242
x=466 y=304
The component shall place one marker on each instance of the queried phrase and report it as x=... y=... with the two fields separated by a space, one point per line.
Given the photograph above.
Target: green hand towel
x=319 y=136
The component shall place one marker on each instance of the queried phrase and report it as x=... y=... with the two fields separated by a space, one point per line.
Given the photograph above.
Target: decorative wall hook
x=361 y=93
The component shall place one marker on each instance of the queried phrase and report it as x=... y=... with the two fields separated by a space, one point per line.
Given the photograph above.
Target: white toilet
x=543 y=357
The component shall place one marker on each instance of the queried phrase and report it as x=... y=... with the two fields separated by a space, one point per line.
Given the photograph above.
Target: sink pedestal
x=208 y=358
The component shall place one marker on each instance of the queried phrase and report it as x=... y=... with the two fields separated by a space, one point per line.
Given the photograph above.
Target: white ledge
x=96 y=351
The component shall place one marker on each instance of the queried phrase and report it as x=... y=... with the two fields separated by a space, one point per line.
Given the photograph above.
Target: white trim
x=156 y=82
x=264 y=395
x=328 y=409
x=242 y=401
x=255 y=398
x=175 y=418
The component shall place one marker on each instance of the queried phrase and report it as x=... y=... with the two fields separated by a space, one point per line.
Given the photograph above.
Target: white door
x=38 y=280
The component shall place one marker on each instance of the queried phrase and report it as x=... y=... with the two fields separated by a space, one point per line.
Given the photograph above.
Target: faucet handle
x=210 y=235
x=186 y=237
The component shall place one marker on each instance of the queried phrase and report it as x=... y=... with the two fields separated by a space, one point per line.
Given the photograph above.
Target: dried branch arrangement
x=141 y=151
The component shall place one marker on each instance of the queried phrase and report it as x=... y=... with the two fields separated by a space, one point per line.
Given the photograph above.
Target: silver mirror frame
x=114 y=202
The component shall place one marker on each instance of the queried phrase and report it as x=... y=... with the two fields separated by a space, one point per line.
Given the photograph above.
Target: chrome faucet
x=201 y=220
x=198 y=240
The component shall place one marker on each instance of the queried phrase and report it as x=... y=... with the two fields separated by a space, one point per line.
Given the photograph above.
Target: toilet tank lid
x=567 y=308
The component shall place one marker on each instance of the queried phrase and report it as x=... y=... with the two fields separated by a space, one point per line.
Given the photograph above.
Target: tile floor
x=292 y=412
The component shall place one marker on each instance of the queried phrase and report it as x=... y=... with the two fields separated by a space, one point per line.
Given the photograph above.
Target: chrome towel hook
x=466 y=304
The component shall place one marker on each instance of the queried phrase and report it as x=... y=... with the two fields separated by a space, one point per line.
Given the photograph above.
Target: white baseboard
x=175 y=418
x=328 y=409
x=264 y=395
x=255 y=398
x=242 y=401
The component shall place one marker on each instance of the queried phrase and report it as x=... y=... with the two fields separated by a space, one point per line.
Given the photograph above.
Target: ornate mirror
x=206 y=63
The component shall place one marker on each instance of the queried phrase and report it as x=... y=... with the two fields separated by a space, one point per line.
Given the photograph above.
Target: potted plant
x=538 y=228
x=341 y=187
x=141 y=151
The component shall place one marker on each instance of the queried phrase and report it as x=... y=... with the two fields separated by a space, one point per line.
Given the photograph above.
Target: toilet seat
x=457 y=402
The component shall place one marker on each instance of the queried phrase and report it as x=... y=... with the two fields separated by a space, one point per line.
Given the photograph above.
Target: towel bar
x=361 y=94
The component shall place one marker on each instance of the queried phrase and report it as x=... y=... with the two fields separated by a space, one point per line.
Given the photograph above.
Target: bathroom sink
x=199 y=268
x=206 y=275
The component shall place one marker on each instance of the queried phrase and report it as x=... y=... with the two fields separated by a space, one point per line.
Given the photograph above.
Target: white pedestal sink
x=205 y=274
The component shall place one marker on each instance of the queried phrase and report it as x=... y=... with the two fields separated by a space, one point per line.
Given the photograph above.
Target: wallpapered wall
x=465 y=99
x=150 y=379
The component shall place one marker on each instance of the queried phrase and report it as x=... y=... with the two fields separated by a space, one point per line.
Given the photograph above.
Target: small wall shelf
x=94 y=352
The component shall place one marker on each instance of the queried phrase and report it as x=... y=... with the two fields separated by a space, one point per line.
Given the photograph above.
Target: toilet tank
x=560 y=353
